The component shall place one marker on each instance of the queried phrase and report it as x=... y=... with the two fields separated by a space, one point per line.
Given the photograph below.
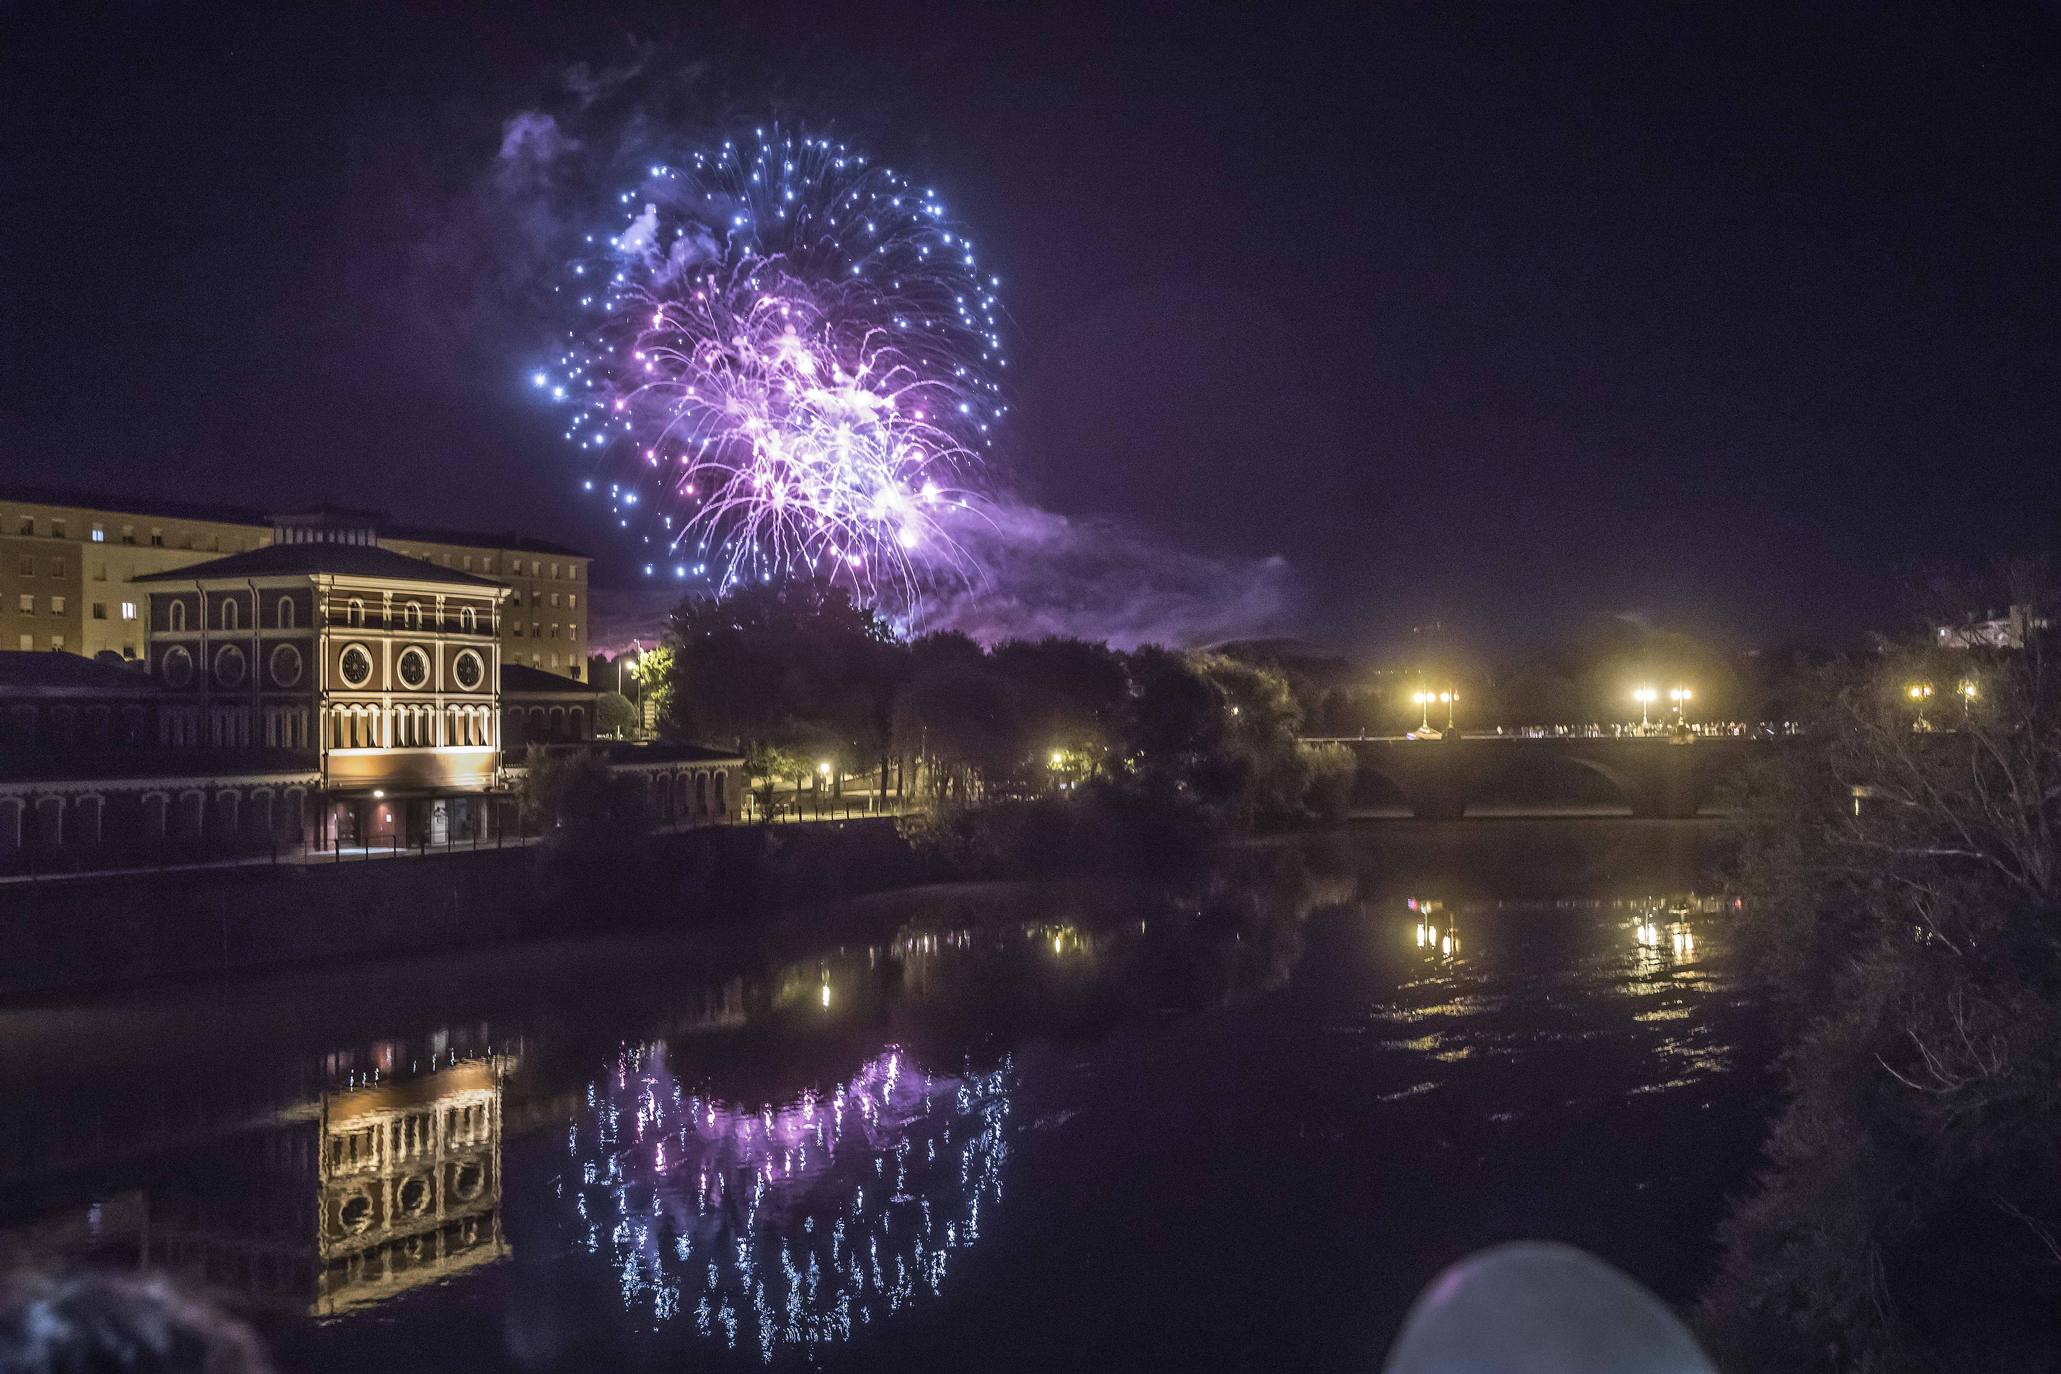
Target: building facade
x=70 y=564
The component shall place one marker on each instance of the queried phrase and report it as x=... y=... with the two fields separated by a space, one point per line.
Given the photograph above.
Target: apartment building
x=70 y=560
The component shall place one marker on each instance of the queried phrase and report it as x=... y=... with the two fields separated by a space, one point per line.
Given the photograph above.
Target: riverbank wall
x=92 y=933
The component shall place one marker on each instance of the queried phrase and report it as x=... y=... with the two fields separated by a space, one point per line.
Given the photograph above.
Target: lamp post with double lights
x=1645 y=696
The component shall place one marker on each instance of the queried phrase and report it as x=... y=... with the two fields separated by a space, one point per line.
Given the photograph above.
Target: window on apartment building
x=554 y=629
x=515 y=565
x=100 y=610
x=554 y=599
x=536 y=630
x=516 y=625
x=576 y=672
x=57 y=644
x=554 y=570
x=157 y=539
x=572 y=601
x=468 y=562
x=57 y=605
x=128 y=610
x=128 y=534
x=26 y=604
x=57 y=529
x=27 y=642
x=99 y=534
x=27 y=526
x=28 y=566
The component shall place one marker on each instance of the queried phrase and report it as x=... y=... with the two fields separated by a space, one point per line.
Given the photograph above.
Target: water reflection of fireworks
x=791 y=1225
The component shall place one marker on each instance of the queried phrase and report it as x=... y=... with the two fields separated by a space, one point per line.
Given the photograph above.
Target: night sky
x=1514 y=316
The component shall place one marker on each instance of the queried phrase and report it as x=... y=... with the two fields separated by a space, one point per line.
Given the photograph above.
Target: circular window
x=176 y=667
x=355 y=665
x=355 y=1213
x=229 y=666
x=469 y=669
x=286 y=665
x=413 y=668
x=414 y=1196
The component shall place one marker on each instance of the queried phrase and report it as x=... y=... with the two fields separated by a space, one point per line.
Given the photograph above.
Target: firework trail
x=785 y=362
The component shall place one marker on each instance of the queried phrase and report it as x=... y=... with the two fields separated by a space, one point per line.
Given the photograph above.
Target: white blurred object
x=1538 y=1308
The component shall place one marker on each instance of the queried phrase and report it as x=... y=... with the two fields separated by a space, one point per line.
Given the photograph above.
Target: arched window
x=228 y=615
x=411 y=615
x=178 y=615
x=354 y=614
x=468 y=620
x=285 y=614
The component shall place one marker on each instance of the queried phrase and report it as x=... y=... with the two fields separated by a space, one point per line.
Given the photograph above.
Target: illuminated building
x=318 y=691
x=70 y=563
x=386 y=667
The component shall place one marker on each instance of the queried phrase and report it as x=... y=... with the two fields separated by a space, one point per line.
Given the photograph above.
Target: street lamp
x=1680 y=697
x=1645 y=696
x=1448 y=698
x=1423 y=701
x=1919 y=693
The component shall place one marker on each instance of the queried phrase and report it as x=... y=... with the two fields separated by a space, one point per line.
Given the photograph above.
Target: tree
x=593 y=821
x=794 y=665
x=614 y=714
x=1903 y=903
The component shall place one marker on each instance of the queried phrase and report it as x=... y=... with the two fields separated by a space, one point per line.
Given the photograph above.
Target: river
x=1239 y=1124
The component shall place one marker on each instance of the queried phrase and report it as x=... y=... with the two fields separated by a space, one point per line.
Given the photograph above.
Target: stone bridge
x=1654 y=775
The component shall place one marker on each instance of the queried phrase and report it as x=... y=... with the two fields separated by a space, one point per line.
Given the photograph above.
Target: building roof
x=251 y=515
x=346 y=560
x=34 y=494
x=521 y=679
x=423 y=534
x=630 y=751
x=62 y=674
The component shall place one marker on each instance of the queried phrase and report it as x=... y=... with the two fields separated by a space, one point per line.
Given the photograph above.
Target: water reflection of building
x=409 y=1184
x=331 y=1203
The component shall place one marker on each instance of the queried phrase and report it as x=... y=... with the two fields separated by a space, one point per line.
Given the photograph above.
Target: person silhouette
x=1537 y=1308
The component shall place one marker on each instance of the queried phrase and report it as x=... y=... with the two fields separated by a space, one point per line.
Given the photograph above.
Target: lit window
x=56 y=643
x=99 y=535
x=157 y=539
x=128 y=610
x=57 y=605
x=27 y=603
x=28 y=643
